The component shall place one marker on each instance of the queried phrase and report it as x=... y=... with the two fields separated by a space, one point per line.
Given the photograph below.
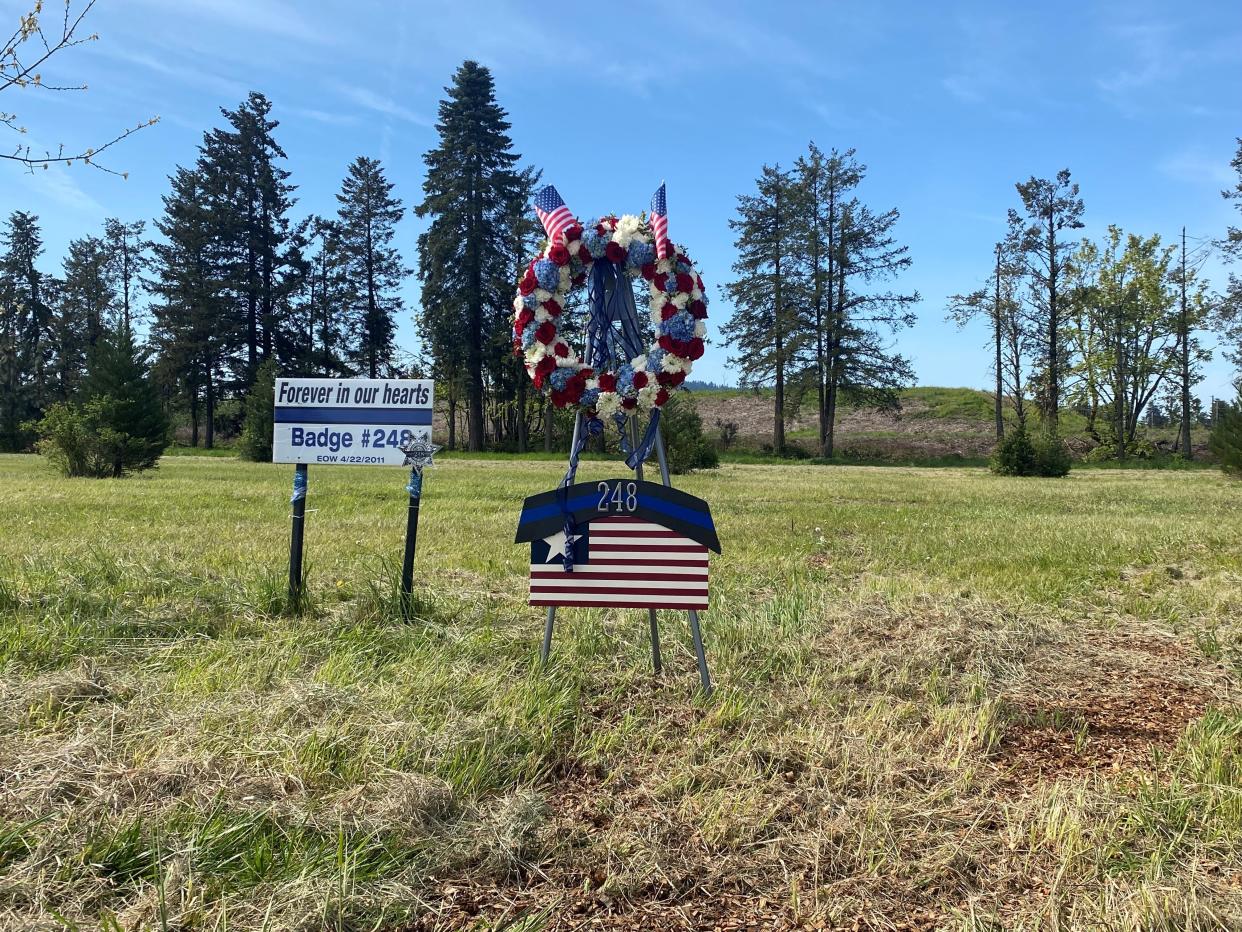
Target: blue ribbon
x=415 y=485
x=612 y=323
x=594 y=427
x=299 y=485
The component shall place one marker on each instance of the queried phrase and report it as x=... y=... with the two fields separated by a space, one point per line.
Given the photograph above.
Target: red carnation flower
x=525 y=316
x=579 y=279
x=573 y=391
x=684 y=282
x=545 y=332
x=615 y=252
x=552 y=307
x=600 y=229
x=661 y=397
x=561 y=350
x=698 y=310
x=640 y=380
x=584 y=254
x=546 y=366
x=666 y=343
x=629 y=403
x=668 y=310
x=527 y=284
x=559 y=254
x=517 y=346
x=648 y=271
x=696 y=348
x=698 y=280
x=573 y=232
x=608 y=382
x=659 y=280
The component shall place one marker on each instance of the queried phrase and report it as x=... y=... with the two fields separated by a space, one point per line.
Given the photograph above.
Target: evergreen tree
x=769 y=287
x=1226 y=438
x=1231 y=247
x=259 y=414
x=79 y=310
x=1051 y=208
x=250 y=197
x=464 y=256
x=366 y=224
x=26 y=338
x=197 y=335
x=133 y=426
x=127 y=258
x=328 y=299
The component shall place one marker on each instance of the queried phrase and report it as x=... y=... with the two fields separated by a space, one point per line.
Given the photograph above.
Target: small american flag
x=659 y=224
x=620 y=562
x=553 y=213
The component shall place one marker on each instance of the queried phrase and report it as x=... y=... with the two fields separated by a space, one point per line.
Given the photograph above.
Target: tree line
x=232 y=279
x=814 y=312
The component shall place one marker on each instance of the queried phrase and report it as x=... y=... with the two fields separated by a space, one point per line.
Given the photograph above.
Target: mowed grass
x=943 y=699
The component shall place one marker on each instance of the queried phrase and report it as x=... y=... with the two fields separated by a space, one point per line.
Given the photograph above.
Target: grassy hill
x=932 y=423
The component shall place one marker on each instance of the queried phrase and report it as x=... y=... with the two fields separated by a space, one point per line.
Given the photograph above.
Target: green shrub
x=1021 y=455
x=684 y=442
x=256 y=437
x=1226 y=439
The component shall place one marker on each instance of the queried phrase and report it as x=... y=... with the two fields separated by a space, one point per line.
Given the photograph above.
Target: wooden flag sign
x=621 y=543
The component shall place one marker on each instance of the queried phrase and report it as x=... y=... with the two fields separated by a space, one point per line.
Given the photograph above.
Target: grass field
x=943 y=700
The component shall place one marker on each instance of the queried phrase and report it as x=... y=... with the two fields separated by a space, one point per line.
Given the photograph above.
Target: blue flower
x=595 y=243
x=528 y=335
x=589 y=398
x=670 y=284
x=680 y=326
x=560 y=377
x=640 y=254
x=625 y=379
x=655 y=359
x=548 y=273
x=530 y=301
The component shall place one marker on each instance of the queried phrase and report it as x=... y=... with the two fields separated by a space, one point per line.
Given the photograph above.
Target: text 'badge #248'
x=352 y=422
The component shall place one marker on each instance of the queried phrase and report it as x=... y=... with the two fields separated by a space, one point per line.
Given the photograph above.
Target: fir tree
x=464 y=257
x=127 y=258
x=769 y=287
x=328 y=298
x=26 y=339
x=80 y=310
x=1051 y=208
x=133 y=426
x=364 y=232
x=1226 y=438
x=259 y=414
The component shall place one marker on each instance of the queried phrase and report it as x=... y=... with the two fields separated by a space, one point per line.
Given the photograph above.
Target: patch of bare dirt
x=1121 y=698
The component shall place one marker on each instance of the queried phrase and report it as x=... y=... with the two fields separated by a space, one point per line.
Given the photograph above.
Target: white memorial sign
x=361 y=422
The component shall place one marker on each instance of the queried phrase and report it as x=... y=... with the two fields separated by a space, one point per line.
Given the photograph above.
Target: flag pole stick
x=696 y=633
x=656 y=665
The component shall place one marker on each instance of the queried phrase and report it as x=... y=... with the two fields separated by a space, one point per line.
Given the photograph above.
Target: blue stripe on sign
x=658 y=505
x=383 y=416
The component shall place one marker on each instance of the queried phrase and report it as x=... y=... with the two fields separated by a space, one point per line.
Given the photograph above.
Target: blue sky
x=948 y=104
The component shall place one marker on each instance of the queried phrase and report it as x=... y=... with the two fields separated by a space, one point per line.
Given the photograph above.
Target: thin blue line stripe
x=384 y=416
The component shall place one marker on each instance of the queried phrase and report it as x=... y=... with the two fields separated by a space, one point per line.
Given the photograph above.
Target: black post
x=295 y=542
x=415 y=488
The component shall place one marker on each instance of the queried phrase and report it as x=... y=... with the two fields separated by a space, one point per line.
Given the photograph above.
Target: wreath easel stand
x=696 y=632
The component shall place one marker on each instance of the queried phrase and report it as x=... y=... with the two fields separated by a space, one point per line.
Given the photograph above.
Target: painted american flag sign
x=631 y=544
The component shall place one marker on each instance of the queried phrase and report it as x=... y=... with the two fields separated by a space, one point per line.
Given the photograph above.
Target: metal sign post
x=295 y=541
x=418 y=454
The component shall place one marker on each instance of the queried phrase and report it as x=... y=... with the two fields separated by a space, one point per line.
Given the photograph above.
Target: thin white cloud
x=186 y=74
x=1194 y=166
x=368 y=99
x=272 y=17
x=324 y=116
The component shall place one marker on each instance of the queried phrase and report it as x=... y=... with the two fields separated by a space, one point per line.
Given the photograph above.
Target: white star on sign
x=418 y=452
x=556 y=545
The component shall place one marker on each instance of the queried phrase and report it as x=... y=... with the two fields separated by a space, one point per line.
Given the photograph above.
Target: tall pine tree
x=127 y=254
x=366 y=223
x=465 y=255
x=26 y=337
x=1050 y=210
x=769 y=288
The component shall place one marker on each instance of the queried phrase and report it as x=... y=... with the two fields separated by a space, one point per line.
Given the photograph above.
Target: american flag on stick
x=659 y=223
x=553 y=213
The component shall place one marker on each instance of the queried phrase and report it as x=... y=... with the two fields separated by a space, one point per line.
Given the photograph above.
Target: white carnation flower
x=541 y=315
x=700 y=328
x=574 y=246
x=541 y=295
x=673 y=363
x=518 y=304
x=664 y=265
x=608 y=404
x=696 y=294
x=680 y=300
x=592 y=384
x=639 y=363
x=565 y=278
x=646 y=396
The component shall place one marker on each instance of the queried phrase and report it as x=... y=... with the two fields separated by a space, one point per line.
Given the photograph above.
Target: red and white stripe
x=556 y=222
x=630 y=564
x=659 y=232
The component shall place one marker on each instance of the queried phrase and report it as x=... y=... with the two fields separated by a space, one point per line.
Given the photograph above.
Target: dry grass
x=945 y=701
